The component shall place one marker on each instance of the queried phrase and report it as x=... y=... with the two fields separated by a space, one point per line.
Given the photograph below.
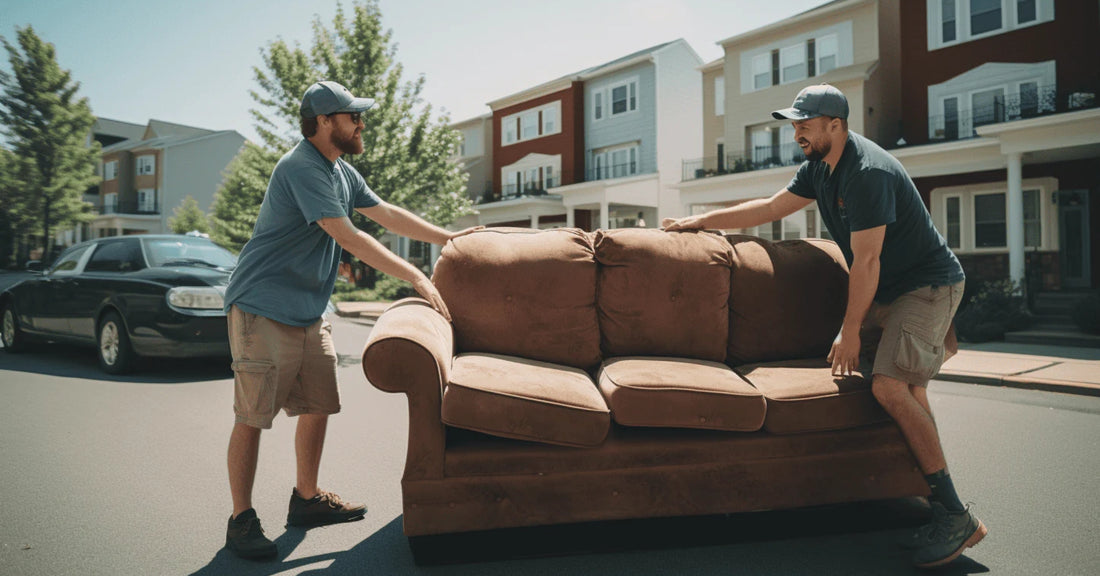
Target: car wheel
x=116 y=356
x=10 y=333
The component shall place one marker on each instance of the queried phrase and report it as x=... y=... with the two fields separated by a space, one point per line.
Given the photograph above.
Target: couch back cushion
x=522 y=292
x=787 y=298
x=663 y=294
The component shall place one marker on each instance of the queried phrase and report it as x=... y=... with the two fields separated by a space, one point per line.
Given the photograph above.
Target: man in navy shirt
x=903 y=279
x=283 y=356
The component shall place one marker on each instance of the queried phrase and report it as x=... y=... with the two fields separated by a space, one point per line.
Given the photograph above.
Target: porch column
x=569 y=217
x=605 y=217
x=535 y=221
x=1015 y=218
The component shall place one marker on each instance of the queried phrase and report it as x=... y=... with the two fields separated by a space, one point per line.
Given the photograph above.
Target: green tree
x=188 y=217
x=406 y=158
x=47 y=126
x=237 y=202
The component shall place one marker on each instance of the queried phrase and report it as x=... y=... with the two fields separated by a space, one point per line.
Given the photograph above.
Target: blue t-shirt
x=287 y=269
x=870 y=188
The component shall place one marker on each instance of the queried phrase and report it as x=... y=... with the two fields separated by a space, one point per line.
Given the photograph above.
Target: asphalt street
x=126 y=475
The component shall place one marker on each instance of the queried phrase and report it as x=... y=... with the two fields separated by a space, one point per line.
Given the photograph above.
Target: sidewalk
x=1036 y=366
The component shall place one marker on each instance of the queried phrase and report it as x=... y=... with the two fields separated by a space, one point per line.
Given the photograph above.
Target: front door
x=1073 y=226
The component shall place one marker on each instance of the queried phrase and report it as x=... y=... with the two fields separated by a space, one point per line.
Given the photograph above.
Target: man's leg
x=309 y=441
x=914 y=417
x=244 y=451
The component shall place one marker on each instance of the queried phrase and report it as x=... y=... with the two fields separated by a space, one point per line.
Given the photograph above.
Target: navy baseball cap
x=328 y=97
x=814 y=101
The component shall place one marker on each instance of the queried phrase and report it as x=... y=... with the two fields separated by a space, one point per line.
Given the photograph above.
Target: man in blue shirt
x=283 y=356
x=903 y=279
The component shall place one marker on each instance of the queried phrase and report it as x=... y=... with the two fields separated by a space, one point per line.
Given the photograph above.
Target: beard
x=816 y=153
x=348 y=143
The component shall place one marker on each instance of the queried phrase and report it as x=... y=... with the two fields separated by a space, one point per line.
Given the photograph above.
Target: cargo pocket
x=916 y=353
x=255 y=388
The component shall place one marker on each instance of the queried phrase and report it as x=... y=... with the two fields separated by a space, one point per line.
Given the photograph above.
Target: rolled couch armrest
x=410 y=350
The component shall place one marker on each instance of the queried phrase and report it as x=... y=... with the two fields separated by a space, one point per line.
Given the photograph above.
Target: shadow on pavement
x=71 y=361
x=843 y=540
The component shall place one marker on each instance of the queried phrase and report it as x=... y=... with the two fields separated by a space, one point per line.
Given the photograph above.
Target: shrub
x=385 y=288
x=1086 y=313
x=996 y=307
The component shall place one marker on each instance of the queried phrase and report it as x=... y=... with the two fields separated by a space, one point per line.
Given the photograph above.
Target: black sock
x=943 y=490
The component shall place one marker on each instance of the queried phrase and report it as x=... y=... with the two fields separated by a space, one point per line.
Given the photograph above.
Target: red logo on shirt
x=840 y=202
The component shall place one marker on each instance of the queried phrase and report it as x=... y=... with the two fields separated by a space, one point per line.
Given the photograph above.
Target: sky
x=191 y=62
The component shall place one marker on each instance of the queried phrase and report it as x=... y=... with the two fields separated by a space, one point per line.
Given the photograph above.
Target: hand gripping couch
x=627 y=374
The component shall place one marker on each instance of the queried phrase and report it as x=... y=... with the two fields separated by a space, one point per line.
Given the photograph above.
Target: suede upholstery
x=679 y=393
x=523 y=292
x=787 y=299
x=804 y=396
x=525 y=399
x=663 y=294
x=507 y=427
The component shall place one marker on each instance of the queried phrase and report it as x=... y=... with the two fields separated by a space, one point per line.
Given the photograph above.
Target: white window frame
x=110 y=170
x=110 y=203
x=597 y=105
x=1006 y=77
x=973 y=221
x=720 y=95
x=1044 y=12
x=940 y=23
x=1048 y=215
x=969 y=13
x=512 y=126
x=150 y=203
x=765 y=60
x=632 y=97
x=818 y=42
x=145 y=165
x=963 y=228
x=785 y=62
x=605 y=168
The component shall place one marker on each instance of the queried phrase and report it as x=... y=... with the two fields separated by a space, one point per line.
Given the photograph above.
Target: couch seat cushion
x=804 y=396
x=523 y=292
x=679 y=393
x=663 y=294
x=525 y=399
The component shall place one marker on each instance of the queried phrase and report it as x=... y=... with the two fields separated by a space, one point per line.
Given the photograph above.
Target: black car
x=129 y=296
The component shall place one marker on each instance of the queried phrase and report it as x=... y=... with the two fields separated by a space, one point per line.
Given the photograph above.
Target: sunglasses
x=356 y=117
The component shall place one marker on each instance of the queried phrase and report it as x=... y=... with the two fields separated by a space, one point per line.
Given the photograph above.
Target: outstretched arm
x=744 y=215
x=404 y=223
x=375 y=255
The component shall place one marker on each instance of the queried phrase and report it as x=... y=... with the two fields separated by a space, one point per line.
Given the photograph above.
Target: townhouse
x=989 y=104
x=599 y=148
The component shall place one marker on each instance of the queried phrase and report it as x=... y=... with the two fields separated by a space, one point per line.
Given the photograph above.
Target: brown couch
x=629 y=374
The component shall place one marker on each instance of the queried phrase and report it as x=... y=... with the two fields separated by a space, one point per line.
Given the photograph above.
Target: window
x=68 y=261
x=110 y=170
x=948 y=19
x=616 y=162
x=989 y=221
x=793 y=63
x=598 y=105
x=110 y=203
x=531 y=124
x=719 y=95
x=954 y=222
x=761 y=146
x=985 y=16
x=826 y=53
x=120 y=256
x=951 y=118
x=761 y=71
x=147 y=200
x=1025 y=11
x=1033 y=224
x=146 y=164
x=624 y=98
x=987 y=106
x=550 y=120
x=1029 y=99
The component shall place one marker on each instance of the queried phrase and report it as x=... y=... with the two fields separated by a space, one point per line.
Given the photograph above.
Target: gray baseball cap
x=328 y=97
x=814 y=101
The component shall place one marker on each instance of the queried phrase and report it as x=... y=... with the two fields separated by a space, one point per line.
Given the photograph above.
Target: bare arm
x=862 y=285
x=375 y=255
x=745 y=215
x=405 y=223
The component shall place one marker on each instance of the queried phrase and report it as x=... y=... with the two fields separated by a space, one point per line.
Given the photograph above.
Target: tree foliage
x=406 y=158
x=47 y=126
x=188 y=217
x=237 y=202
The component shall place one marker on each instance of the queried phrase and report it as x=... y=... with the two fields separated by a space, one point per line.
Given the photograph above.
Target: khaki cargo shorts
x=278 y=366
x=913 y=327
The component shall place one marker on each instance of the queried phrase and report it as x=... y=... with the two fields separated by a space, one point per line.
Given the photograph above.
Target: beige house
x=851 y=44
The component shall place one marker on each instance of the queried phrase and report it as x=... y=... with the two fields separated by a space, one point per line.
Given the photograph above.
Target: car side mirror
x=34 y=266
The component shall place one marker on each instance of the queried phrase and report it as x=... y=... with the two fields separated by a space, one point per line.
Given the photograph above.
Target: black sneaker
x=916 y=537
x=245 y=538
x=952 y=532
x=324 y=508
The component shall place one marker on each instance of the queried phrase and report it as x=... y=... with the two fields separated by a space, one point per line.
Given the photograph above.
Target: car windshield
x=188 y=252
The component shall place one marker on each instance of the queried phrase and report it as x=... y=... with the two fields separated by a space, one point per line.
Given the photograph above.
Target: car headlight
x=196 y=298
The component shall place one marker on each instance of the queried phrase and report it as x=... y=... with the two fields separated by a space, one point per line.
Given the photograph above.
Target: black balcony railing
x=513 y=191
x=760 y=158
x=963 y=124
x=130 y=207
x=544 y=187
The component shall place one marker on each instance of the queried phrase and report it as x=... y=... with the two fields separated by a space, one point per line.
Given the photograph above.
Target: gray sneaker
x=915 y=538
x=951 y=533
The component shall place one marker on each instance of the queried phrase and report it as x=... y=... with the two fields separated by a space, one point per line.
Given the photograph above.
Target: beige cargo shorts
x=281 y=367
x=913 y=328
